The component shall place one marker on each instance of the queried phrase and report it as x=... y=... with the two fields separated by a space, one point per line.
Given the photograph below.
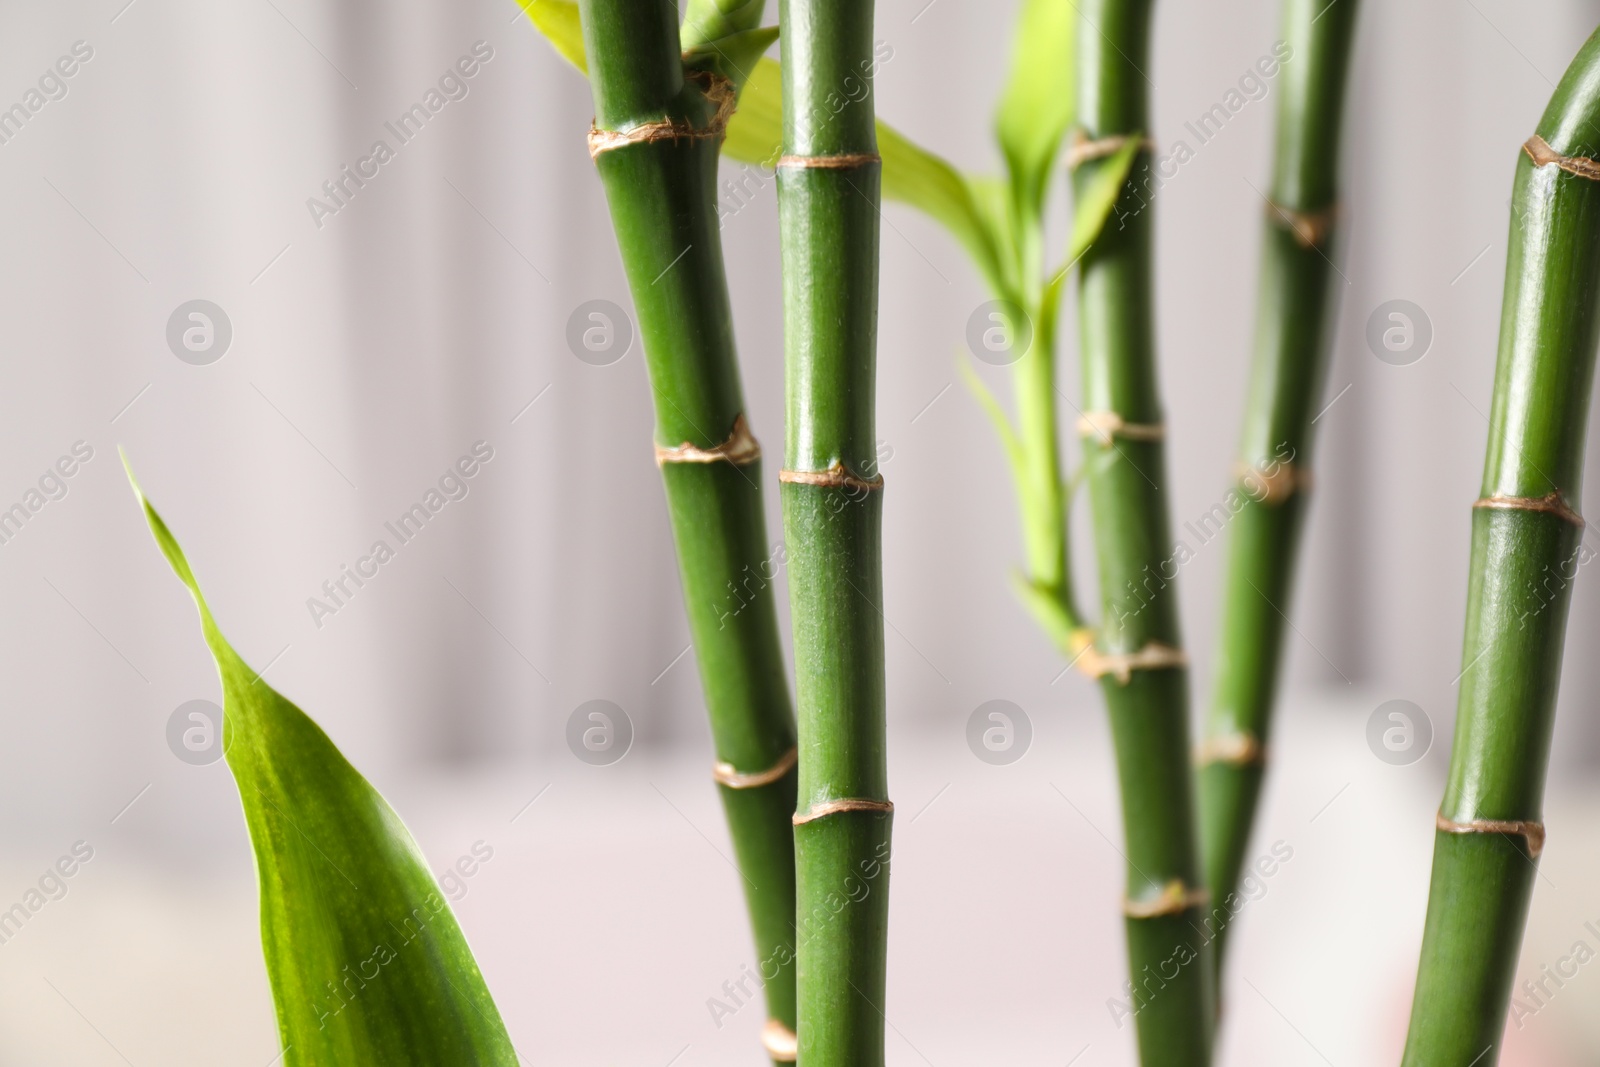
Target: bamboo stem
x=1126 y=476
x=1525 y=540
x=659 y=138
x=1293 y=331
x=828 y=197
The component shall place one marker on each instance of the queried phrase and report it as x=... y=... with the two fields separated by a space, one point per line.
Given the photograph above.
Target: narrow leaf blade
x=366 y=961
x=558 y=21
x=1038 y=102
x=915 y=176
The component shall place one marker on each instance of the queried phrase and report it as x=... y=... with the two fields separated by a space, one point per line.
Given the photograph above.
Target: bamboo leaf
x=1095 y=202
x=1002 y=422
x=366 y=961
x=915 y=176
x=1037 y=103
x=558 y=21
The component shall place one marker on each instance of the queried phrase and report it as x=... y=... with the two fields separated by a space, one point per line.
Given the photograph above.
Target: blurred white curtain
x=372 y=347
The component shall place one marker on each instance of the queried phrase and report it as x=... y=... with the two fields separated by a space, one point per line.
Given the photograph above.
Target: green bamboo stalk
x=1525 y=539
x=658 y=137
x=1137 y=657
x=828 y=197
x=1293 y=331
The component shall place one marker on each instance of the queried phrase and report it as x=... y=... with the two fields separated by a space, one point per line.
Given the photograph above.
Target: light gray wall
x=370 y=352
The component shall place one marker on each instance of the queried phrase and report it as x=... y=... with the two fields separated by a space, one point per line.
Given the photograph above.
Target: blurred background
x=356 y=354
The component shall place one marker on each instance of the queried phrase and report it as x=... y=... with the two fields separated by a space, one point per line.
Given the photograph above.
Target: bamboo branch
x=828 y=196
x=1141 y=671
x=1294 y=328
x=1525 y=538
x=656 y=142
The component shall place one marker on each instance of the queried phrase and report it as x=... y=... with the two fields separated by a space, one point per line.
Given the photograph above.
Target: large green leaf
x=911 y=174
x=1037 y=103
x=366 y=961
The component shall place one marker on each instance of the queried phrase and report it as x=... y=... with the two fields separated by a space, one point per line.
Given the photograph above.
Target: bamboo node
x=1154 y=656
x=1526 y=828
x=726 y=774
x=1242 y=749
x=1539 y=150
x=1553 y=504
x=781 y=1043
x=718 y=90
x=1083 y=149
x=1106 y=425
x=1175 y=899
x=740 y=448
x=837 y=476
x=1310 y=229
x=845 y=161
x=1272 y=487
x=840 y=806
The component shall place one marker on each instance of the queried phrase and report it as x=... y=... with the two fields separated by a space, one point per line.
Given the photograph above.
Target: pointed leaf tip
x=366 y=960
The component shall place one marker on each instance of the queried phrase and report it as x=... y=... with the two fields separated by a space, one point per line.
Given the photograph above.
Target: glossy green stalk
x=828 y=196
x=1295 y=313
x=662 y=198
x=1525 y=553
x=1171 y=998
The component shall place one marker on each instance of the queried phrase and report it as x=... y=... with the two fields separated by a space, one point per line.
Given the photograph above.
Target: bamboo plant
x=661 y=109
x=1525 y=526
x=1035 y=111
x=1295 y=311
x=368 y=965
x=828 y=202
x=1137 y=654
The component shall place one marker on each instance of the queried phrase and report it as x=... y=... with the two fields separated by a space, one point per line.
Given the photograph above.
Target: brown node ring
x=1539 y=150
x=780 y=1042
x=1104 y=426
x=1553 y=504
x=1083 y=149
x=740 y=448
x=1532 y=831
x=1089 y=660
x=718 y=90
x=840 y=806
x=1175 y=899
x=726 y=774
x=846 y=161
x=837 y=476
x=1311 y=229
x=1242 y=749
x=1275 y=486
